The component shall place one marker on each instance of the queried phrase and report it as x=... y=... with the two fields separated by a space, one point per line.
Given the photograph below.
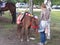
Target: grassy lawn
x=55 y=27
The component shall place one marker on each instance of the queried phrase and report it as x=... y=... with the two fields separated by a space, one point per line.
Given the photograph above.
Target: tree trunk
x=31 y=6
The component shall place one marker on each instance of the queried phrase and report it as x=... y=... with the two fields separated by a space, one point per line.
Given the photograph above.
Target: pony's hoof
x=28 y=40
x=21 y=40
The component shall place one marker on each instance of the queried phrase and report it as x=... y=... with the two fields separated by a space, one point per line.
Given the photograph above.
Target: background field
x=7 y=29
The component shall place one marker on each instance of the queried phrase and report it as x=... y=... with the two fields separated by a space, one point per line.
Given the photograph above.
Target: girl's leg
x=42 y=37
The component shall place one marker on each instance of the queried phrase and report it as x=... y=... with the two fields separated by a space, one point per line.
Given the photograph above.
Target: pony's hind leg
x=22 y=35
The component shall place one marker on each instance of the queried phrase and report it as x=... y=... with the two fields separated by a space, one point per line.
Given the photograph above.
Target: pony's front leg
x=18 y=31
x=36 y=33
x=27 y=35
x=22 y=35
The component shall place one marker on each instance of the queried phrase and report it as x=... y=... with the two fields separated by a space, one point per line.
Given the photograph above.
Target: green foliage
x=55 y=2
x=13 y=1
x=38 y=1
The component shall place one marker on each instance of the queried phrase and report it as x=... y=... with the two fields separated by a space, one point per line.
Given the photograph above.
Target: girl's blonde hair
x=43 y=5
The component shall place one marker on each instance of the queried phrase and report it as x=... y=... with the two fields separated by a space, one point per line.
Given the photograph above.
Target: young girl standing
x=43 y=24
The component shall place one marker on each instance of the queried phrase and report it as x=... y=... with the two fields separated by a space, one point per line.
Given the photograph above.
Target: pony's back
x=10 y=3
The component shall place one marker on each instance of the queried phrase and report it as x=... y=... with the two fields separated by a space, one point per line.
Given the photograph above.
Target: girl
x=43 y=23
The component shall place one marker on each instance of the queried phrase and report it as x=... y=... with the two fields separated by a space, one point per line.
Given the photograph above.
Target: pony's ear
x=36 y=17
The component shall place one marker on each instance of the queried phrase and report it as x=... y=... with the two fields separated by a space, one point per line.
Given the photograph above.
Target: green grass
x=55 y=17
x=7 y=14
x=55 y=27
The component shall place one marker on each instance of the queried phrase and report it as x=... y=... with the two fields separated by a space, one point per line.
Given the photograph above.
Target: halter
x=33 y=26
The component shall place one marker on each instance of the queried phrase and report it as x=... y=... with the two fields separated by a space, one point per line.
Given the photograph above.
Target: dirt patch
x=8 y=36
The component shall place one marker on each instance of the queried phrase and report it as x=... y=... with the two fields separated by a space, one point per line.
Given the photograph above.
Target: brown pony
x=12 y=8
x=26 y=24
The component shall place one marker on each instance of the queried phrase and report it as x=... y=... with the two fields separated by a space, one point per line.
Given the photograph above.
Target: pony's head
x=34 y=22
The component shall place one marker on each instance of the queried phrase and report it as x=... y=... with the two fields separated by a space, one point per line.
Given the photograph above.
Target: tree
x=38 y=1
x=31 y=6
x=13 y=1
x=55 y=2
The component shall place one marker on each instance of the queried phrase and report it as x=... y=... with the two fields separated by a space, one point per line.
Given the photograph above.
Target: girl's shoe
x=40 y=43
x=21 y=40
